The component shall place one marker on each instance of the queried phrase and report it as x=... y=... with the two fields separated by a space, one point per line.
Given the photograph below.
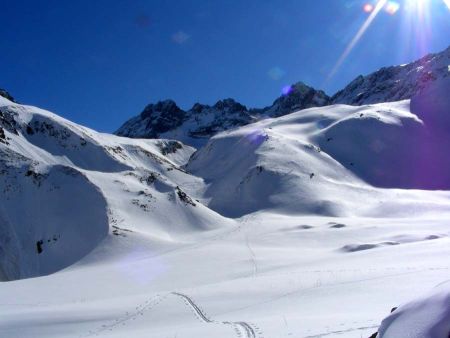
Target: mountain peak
x=229 y=104
x=297 y=97
x=196 y=126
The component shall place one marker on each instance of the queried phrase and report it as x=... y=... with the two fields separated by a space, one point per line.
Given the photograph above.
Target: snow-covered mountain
x=396 y=83
x=195 y=126
x=285 y=227
x=273 y=229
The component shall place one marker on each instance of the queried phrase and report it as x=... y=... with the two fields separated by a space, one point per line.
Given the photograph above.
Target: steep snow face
x=66 y=188
x=428 y=316
x=395 y=83
x=197 y=125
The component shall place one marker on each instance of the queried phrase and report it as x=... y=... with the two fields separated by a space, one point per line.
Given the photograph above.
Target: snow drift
x=425 y=317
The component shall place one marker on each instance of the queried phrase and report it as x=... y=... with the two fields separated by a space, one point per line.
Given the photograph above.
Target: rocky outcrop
x=6 y=95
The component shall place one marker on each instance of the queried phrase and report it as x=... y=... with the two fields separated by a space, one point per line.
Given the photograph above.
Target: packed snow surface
x=291 y=227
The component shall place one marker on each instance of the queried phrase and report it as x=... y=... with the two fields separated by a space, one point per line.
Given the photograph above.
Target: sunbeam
x=380 y=5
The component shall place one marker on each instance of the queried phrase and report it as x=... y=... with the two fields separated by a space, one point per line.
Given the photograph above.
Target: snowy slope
x=396 y=83
x=65 y=185
x=299 y=163
x=195 y=126
x=428 y=316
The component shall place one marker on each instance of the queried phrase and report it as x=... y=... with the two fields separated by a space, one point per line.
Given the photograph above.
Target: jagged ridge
x=195 y=126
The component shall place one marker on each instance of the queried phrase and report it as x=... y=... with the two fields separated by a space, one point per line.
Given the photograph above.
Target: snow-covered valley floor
x=268 y=275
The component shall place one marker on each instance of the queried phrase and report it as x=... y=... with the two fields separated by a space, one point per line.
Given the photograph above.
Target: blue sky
x=100 y=62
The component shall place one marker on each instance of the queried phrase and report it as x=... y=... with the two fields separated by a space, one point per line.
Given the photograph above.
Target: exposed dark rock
x=184 y=197
x=6 y=95
x=169 y=147
x=39 y=248
x=2 y=136
x=156 y=119
x=204 y=121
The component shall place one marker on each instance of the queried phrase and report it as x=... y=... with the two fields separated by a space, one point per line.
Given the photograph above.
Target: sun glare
x=416 y=12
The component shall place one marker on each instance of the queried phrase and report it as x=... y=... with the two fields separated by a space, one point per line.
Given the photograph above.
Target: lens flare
x=368 y=8
x=392 y=7
x=286 y=90
x=447 y=2
x=379 y=6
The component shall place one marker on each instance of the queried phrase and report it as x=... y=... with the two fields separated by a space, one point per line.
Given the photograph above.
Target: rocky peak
x=230 y=105
x=154 y=120
x=198 y=108
x=162 y=107
x=297 y=97
x=166 y=120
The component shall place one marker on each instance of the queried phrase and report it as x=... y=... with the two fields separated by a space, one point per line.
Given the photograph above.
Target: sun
x=416 y=12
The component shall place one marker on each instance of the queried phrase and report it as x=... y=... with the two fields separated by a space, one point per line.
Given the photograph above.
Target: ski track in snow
x=138 y=311
x=249 y=331
x=320 y=335
x=242 y=329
